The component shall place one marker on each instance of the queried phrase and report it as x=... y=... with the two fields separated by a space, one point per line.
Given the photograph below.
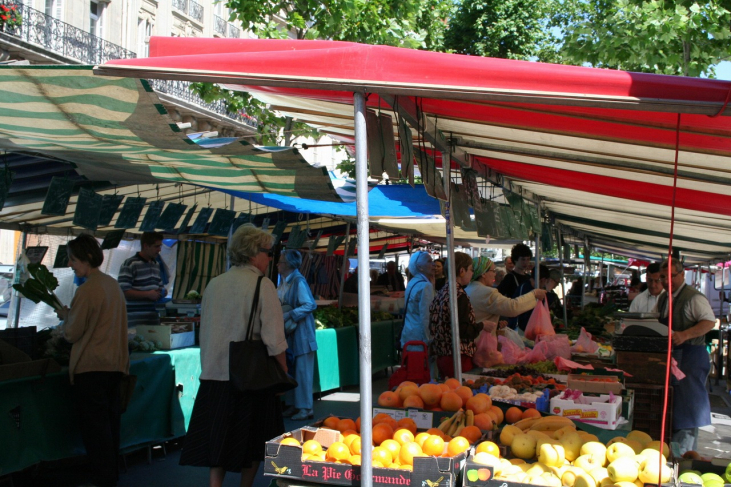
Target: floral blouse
x=441 y=325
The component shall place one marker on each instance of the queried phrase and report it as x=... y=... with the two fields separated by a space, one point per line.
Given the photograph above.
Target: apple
x=516 y=461
x=727 y=474
x=711 y=478
x=588 y=462
x=508 y=433
x=599 y=474
x=587 y=437
x=650 y=471
x=523 y=446
x=558 y=434
x=584 y=480
x=511 y=470
x=649 y=453
x=655 y=445
x=484 y=458
x=551 y=455
x=571 y=442
x=639 y=436
x=551 y=480
x=618 y=450
x=569 y=475
x=537 y=469
x=536 y=480
x=625 y=484
x=623 y=469
x=597 y=449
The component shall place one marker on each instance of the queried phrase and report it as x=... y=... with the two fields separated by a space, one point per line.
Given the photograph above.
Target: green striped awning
x=117 y=128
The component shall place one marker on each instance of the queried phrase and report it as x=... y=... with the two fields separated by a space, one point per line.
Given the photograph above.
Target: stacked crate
x=648 y=405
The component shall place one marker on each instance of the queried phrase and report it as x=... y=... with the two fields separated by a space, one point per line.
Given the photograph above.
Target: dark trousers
x=97 y=403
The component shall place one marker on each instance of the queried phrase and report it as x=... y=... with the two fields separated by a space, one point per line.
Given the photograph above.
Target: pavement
x=159 y=467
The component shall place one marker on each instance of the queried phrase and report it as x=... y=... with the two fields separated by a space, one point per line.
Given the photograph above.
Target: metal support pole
x=345 y=267
x=23 y=245
x=563 y=288
x=536 y=271
x=230 y=231
x=364 y=289
x=587 y=270
x=452 y=278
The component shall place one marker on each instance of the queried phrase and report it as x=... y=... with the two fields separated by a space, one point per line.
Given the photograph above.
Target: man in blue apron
x=692 y=319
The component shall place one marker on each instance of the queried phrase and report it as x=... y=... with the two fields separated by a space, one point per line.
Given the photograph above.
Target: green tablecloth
x=38 y=423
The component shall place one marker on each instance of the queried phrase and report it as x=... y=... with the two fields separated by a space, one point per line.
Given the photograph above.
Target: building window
x=54 y=8
x=144 y=31
x=96 y=21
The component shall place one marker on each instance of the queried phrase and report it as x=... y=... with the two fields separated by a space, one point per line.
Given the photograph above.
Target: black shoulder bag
x=250 y=368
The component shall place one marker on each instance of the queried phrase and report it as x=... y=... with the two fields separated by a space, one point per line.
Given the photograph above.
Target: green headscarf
x=480 y=265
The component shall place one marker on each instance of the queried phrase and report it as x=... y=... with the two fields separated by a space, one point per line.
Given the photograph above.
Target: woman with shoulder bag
x=228 y=428
x=296 y=297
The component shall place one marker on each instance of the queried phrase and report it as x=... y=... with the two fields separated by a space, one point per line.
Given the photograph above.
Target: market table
x=38 y=422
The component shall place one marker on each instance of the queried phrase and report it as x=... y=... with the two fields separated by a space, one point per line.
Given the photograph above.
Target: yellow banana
x=446 y=424
x=470 y=417
x=456 y=423
x=525 y=424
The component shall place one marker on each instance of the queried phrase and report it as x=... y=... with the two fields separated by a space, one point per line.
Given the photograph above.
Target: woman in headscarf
x=418 y=296
x=488 y=303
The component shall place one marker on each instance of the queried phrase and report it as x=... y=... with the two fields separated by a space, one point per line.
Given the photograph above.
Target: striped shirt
x=140 y=275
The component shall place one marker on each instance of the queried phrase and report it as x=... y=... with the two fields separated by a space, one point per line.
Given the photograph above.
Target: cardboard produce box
x=423 y=419
x=168 y=335
x=603 y=411
x=286 y=461
x=15 y=364
x=597 y=384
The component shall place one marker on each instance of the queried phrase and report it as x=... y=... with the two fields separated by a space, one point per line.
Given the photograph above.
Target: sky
x=723 y=70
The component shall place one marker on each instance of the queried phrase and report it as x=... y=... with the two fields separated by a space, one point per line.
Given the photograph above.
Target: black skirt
x=229 y=429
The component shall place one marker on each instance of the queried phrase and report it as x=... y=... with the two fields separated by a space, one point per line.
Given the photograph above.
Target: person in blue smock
x=295 y=292
x=417 y=299
x=693 y=317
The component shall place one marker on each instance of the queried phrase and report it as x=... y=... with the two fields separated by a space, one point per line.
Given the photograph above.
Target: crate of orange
x=331 y=453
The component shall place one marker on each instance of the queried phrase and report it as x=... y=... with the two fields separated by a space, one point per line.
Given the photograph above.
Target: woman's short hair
x=292 y=259
x=461 y=261
x=85 y=248
x=245 y=243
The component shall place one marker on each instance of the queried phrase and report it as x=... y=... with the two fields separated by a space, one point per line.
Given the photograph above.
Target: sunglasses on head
x=269 y=252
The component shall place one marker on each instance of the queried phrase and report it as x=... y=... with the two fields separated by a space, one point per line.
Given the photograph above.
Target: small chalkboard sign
x=36 y=254
x=201 y=220
x=382 y=252
x=57 y=197
x=170 y=216
x=278 y=231
x=6 y=179
x=314 y=243
x=221 y=223
x=62 y=258
x=265 y=224
x=130 y=213
x=149 y=223
x=240 y=220
x=110 y=205
x=186 y=220
x=112 y=239
x=88 y=207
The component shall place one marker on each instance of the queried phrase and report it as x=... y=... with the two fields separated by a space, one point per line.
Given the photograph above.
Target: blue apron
x=691 y=406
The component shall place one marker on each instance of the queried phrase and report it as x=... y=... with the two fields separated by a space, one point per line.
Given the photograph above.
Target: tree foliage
x=509 y=29
x=683 y=37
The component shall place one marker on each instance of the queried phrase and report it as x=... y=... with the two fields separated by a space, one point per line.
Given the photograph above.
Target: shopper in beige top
x=96 y=325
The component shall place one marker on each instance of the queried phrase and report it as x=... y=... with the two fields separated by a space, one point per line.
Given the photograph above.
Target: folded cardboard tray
x=15 y=364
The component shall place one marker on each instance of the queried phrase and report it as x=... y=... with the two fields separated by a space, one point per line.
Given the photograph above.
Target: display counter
x=38 y=422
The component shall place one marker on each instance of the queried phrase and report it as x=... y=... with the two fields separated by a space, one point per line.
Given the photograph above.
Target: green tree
x=509 y=29
x=683 y=37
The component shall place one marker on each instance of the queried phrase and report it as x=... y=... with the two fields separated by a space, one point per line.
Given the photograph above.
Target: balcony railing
x=219 y=25
x=234 y=31
x=181 y=90
x=190 y=8
x=64 y=39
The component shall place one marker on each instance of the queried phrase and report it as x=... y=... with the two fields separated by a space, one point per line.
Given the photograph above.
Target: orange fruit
x=392 y=446
x=311 y=446
x=513 y=415
x=451 y=401
x=410 y=468
x=290 y=441
x=479 y=403
x=406 y=391
x=444 y=387
x=452 y=383
x=408 y=383
x=408 y=452
x=349 y=439
x=382 y=455
x=345 y=424
x=465 y=393
x=421 y=438
x=403 y=436
x=337 y=451
x=499 y=413
x=414 y=401
x=531 y=413
x=389 y=399
x=354 y=460
x=347 y=433
x=430 y=394
x=376 y=463
x=331 y=422
x=488 y=447
x=380 y=417
x=458 y=445
x=434 y=445
x=407 y=423
x=484 y=421
x=355 y=446
x=435 y=431
x=381 y=433
x=472 y=433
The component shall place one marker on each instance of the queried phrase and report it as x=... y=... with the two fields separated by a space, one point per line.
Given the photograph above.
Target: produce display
x=535 y=369
x=701 y=473
x=138 y=343
x=594 y=317
x=335 y=317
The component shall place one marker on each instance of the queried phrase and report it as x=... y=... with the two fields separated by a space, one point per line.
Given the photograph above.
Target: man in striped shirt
x=140 y=280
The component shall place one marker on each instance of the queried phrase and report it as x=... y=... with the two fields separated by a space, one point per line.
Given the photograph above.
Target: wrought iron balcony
x=64 y=39
x=219 y=25
x=181 y=90
x=234 y=31
x=190 y=8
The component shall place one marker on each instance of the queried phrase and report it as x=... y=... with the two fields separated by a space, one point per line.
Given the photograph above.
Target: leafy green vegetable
x=334 y=317
x=40 y=286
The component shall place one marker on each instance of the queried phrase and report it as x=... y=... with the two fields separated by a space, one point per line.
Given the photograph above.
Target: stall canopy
x=595 y=147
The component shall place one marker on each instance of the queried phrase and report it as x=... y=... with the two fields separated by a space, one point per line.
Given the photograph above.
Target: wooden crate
x=645 y=367
x=647 y=414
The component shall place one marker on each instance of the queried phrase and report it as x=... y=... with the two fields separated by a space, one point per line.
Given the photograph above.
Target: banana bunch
x=547 y=424
x=454 y=425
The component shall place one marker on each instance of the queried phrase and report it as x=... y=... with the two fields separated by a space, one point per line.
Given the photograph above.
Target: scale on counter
x=640 y=324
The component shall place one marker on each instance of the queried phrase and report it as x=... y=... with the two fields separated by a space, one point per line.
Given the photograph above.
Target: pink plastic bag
x=539 y=322
x=584 y=344
x=486 y=354
x=553 y=346
x=533 y=356
x=512 y=353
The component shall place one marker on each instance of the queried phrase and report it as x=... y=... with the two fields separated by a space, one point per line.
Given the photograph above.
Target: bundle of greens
x=40 y=286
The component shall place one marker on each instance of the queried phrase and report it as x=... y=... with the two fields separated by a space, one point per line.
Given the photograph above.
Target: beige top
x=97 y=327
x=225 y=315
x=490 y=305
